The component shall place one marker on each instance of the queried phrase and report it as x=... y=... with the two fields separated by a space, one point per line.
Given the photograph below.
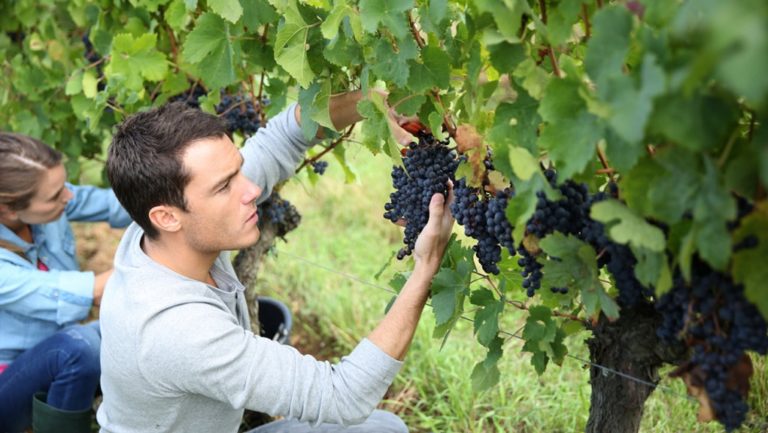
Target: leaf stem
x=728 y=148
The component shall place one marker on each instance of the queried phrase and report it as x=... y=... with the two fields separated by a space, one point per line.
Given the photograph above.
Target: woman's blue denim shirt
x=34 y=304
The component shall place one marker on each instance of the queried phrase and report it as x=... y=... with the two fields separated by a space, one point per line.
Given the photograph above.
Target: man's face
x=220 y=199
x=49 y=201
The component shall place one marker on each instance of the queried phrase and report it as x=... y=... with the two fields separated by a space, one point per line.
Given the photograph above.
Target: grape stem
x=330 y=147
x=521 y=306
x=548 y=47
x=448 y=123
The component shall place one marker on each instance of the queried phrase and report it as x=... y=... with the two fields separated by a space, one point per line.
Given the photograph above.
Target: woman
x=44 y=352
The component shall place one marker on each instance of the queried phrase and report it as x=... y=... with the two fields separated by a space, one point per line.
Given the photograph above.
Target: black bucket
x=275 y=320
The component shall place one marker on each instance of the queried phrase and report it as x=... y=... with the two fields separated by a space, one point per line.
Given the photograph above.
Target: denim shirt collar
x=30 y=249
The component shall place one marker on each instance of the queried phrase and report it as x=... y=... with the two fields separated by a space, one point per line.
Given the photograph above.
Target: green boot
x=48 y=419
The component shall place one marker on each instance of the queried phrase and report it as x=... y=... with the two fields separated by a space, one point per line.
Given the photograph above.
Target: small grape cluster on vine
x=279 y=212
x=319 y=167
x=239 y=111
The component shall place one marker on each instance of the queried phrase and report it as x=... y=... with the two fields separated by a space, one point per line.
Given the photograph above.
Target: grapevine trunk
x=628 y=345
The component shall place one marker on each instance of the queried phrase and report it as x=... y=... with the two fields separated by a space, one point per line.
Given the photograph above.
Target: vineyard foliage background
x=662 y=98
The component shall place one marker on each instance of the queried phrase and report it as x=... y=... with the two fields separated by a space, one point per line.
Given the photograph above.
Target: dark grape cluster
x=191 y=97
x=91 y=56
x=280 y=212
x=240 y=114
x=16 y=37
x=484 y=219
x=711 y=315
x=90 y=52
x=427 y=167
x=319 y=167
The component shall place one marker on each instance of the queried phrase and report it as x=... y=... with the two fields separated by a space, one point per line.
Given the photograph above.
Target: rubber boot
x=48 y=419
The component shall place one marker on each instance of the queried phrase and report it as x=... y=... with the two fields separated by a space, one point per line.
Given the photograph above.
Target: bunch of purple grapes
x=484 y=219
x=280 y=212
x=427 y=167
x=711 y=315
x=240 y=113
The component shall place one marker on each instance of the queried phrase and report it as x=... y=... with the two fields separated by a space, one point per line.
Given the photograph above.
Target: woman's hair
x=23 y=162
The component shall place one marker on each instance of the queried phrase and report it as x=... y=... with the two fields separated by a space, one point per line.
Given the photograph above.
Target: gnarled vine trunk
x=247 y=264
x=628 y=345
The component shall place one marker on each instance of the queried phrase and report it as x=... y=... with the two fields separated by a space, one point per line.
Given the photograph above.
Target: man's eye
x=225 y=187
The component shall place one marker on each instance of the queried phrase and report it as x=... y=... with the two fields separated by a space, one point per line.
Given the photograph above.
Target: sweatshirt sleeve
x=55 y=296
x=225 y=362
x=274 y=152
x=96 y=204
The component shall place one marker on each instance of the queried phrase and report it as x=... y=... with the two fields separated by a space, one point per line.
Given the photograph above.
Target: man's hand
x=431 y=243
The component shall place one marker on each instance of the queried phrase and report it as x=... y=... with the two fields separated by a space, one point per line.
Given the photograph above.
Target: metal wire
x=606 y=370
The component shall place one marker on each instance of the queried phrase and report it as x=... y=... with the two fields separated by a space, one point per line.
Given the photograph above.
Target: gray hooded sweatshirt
x=177 y=355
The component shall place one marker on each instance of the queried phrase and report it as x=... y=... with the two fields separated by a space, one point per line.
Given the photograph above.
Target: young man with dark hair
x=177 y=352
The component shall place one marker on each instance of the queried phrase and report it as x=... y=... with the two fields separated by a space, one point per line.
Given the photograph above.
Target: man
x=177 y=351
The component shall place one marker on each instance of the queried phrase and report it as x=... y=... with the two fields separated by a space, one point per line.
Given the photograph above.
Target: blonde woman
x=45 y=355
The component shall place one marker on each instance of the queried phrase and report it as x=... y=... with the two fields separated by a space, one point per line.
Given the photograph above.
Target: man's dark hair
x=144 y=162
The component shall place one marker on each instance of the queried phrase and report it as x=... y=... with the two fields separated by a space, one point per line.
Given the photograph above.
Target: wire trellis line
x=604 y=369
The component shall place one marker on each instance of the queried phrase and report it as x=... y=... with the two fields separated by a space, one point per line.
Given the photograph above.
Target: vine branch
x=548 y=47
x=330 y=147
x=449 y=125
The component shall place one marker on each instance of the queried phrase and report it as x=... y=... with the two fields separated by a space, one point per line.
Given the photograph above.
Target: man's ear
x=165 y=218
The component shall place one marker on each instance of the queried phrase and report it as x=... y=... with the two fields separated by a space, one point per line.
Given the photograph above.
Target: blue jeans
x=66 y=365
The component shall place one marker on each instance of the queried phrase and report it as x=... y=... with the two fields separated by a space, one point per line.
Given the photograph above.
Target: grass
x=343 y=230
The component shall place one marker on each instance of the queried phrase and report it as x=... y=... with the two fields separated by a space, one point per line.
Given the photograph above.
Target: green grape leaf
x=486 y=317
x=622 y=155
x=532 y=78
x=573 y=264
x=626 y=227
x=652 y=269
x=390 y=65
x=507 y=15
x=486 y=374
x=230 y=10
x=176 y=15
x=572 y=142
x=291 y=45
x=697 y=122
x=523 y=163
x=609 y=45
x=515 y=124
x=90 y=84
x=75 y=83
x=136 y=59
x=208 y=36
x=543 y=338
x=330 y=27
x=433 y=72
x=307 y=99
x=257 y=13
x=388 y=13
x=630 y=107
x=320 y=106
x=561 y=21
x=506 y=56
x=749 y=263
